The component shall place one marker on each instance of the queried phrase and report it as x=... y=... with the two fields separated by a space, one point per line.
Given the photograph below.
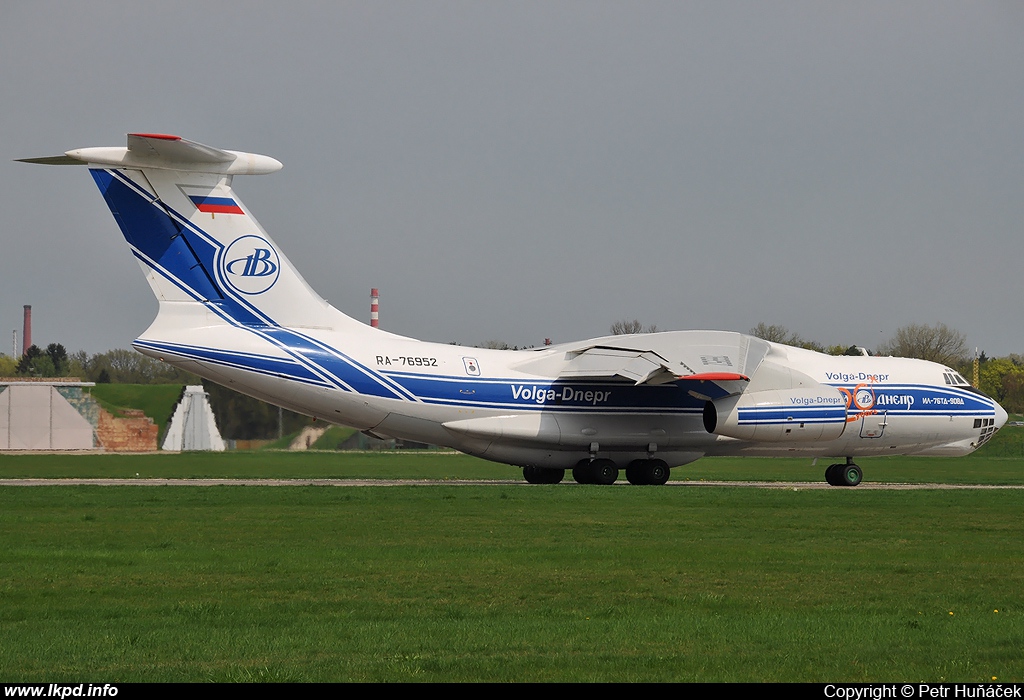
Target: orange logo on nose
x=860 y=401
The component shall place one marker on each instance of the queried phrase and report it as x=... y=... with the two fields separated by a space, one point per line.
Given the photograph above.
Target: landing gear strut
x=848 y=474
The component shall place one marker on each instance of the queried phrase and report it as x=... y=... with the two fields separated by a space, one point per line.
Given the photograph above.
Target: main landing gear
x=848 y=474
x=639 y=472
x=595 y=471
x=539 y=475
x=647 y=472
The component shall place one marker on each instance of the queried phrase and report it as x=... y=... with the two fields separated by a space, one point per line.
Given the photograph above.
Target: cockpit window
x=954 y=378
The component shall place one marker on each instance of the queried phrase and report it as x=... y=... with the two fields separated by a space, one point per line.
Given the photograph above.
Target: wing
x=710 y=364
x=604 y=362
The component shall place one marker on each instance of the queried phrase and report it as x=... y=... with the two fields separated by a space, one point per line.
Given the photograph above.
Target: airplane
x=233 y=309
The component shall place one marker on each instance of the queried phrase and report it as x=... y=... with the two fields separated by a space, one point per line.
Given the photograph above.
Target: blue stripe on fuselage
x=551 y=395
x=790 y=414
x=262 y=364
x=921 y=399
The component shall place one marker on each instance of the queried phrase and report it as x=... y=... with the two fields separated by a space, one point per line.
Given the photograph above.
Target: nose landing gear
x=848 y=474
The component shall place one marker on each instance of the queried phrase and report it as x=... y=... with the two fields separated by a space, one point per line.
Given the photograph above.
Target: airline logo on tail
x=250 y=265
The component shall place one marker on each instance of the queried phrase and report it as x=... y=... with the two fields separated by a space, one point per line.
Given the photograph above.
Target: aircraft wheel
x=582 y=473
x=636 y=472
x=832 y=474
x=603 y=471
x=540 y=475
x=657 y=472
x=553 y=476
x=850 y=475
x=647 y=472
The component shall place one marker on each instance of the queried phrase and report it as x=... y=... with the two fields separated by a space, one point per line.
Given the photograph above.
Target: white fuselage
x=513 y=407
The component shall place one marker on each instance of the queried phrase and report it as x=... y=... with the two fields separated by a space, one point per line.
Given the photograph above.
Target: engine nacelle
x=779 y=415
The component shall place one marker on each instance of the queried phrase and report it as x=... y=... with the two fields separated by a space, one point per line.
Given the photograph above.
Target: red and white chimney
x=374 y=308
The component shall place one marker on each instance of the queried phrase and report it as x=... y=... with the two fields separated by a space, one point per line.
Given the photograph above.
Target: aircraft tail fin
x=193 y=236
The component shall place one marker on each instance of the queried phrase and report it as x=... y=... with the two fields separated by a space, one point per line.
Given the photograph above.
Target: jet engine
x=779 y=415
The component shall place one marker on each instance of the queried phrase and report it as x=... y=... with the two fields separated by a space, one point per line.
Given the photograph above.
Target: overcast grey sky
x=525 y=170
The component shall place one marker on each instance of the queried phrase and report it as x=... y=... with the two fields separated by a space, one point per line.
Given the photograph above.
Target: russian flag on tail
x=215 y=205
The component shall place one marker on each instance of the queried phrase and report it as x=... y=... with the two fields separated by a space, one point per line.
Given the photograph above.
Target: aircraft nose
x=1000 y=416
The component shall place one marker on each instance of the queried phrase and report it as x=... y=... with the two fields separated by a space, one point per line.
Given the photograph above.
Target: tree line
x=111 y=367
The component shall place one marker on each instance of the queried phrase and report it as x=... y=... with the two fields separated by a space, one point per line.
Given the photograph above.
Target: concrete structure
x=60 y=414
x=193 y=426
x=45 y=416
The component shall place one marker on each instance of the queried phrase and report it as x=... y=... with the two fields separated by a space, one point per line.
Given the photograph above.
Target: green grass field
x=509 y=583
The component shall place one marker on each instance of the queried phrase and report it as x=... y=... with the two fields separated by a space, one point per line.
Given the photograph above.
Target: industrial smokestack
x=26 y=331
x=374 y=307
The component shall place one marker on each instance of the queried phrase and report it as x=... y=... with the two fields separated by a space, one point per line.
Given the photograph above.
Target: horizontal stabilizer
x=52 y=160
x=175 y=149
x=166 y=152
